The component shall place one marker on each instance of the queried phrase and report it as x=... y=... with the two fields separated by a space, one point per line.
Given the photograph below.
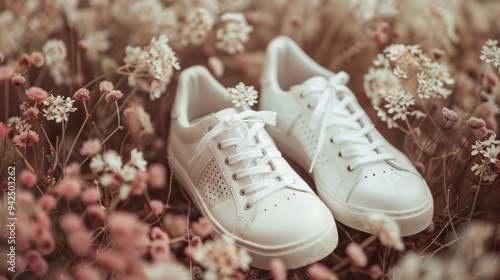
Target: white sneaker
x=322 y=127
x=236 y=177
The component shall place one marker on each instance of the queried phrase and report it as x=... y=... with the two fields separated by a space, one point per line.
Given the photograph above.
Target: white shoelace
x=332 y=110
x=244 y=128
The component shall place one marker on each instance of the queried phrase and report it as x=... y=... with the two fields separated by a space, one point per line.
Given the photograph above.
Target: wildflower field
x=86 y=88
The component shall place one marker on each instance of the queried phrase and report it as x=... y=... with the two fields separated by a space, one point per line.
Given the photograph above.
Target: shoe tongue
x=226 y=113
x=316 y=81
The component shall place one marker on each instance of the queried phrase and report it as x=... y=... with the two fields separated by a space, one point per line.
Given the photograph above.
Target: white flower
x=400 y=73
x=386 y=229
x=157 y=60
x=198 y=25
x=58 y=108
x=233 y=34
x=128 y=173
x=54 y=51
x=242 y=94
x=112 y=160
x=137 y=160
x=97 y=164
x=221 y=257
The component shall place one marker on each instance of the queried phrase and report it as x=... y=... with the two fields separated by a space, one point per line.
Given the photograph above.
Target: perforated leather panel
x=307 y=138
x=212 y=184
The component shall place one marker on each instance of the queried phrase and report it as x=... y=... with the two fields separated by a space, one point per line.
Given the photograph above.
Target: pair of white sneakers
x=233 y=170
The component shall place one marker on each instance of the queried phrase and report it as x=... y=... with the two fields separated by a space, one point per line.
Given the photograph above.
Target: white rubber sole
x=293 y=255
x=410 y=222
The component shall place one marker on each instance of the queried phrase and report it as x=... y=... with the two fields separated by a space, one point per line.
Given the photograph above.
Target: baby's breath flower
x=199 y=24
x=242 y=94
x=487 y=151
x=157 y=60
x=234 y=33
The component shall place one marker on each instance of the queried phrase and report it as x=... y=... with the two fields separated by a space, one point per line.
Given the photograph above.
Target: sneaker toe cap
x=289 y=217
x=390 y=190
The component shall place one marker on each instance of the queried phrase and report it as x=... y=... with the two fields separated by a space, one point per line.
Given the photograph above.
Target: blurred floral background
x=86 y=88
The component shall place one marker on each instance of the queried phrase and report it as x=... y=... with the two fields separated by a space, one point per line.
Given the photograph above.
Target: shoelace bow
x=330 y=111
x=245 y=126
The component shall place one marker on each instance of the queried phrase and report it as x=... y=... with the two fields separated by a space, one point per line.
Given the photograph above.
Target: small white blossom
x=198 y=25
x=242 y=94
x=112 y=160
x=58 y=108
x=234 y=33
x=137 y=160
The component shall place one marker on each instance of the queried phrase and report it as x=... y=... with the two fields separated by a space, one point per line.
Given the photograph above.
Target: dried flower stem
x=347 y=260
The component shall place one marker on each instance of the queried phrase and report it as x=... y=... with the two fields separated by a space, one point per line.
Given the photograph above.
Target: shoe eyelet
x=210 y=128
x=340 y=154
x=247 y=206
x=309 y=106
x=235 y=177
x=301 y=95
x=331 y=140
x=219 y=146
x=349 y=168
x=226 y=161
x=242 y=192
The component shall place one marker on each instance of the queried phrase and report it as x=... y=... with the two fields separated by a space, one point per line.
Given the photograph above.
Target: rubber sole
x=410 y=222
x=293 y=255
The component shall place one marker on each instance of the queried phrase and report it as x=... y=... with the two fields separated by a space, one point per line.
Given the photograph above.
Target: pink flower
x=28 y=178
x=202 y=227
x=356 y=254
x=176 y=225
x=278 y=269
x=47 y=202
x=90 y=147
x=71 y=223
x=319 y=271
x=156 y=206
x=25 y=139
x=160 y=251
x=25 y=60
x=492 y=79
x=82 y=45
x=91 y=195
x=37 y=59
x=158 y=234
x=450 y=118
x=42 y=221
x=72 y=170
x=45 y=243
x=25 y=198
x=87 y=272
x=475 y=123
x=36 y=94
x=96 y=211
x=111 y=259
x=157 y=175
x=82 y=94
x=80 y=241
x=36 y=262
x=18 y=80
x=113 y=95
x=127 y=232
x=376 y=271
x=69 y=188
x=6 y=73
x=140 y=183
x=106 y=86
x=4 y=131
